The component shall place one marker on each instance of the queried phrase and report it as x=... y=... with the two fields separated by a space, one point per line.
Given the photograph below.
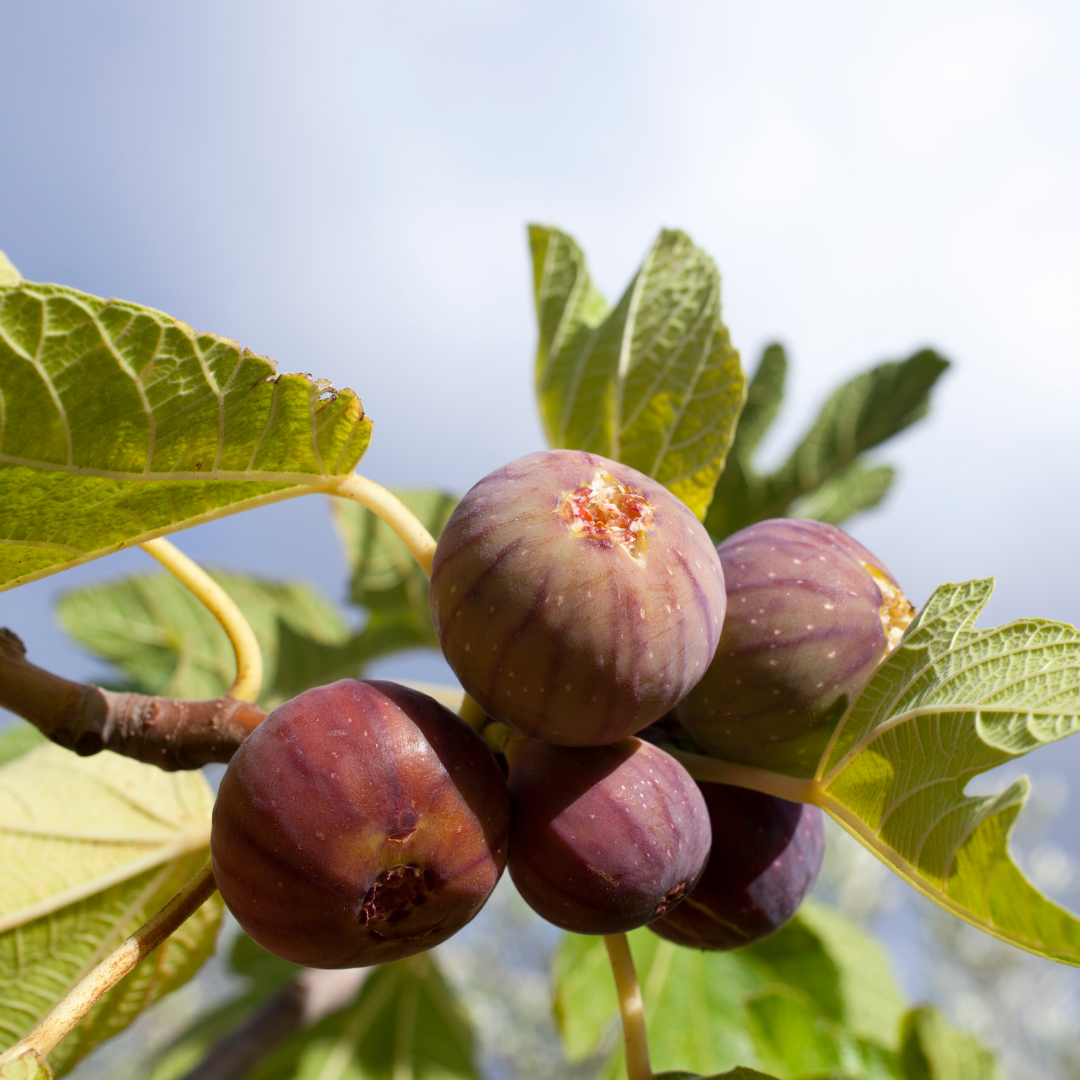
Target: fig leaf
x=92 y=847
x=950 y=702
x=654 y=382
x=131 y=425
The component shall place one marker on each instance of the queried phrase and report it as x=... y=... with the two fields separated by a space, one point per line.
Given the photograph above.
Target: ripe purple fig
x=361 y=822
x=604 y=838
x=811 y=615
x=576 y=599
x=766 y=854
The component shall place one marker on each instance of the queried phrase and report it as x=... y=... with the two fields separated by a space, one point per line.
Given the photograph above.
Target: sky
x=344 y=187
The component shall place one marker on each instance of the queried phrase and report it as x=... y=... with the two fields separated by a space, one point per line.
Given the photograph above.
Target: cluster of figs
x=584 y=607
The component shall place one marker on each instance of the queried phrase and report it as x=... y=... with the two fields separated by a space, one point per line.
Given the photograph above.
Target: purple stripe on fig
x=811 y=614
x=576 y=599
x=765 y=858
x=360 y=823
x=604 y=839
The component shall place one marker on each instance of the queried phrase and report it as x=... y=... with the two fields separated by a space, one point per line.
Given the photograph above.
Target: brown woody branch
x=160 y=731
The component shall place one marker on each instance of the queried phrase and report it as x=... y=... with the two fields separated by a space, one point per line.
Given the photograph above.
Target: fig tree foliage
x=120 y=423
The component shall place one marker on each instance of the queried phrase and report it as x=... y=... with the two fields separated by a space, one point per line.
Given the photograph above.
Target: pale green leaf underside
x=91 y=847
x=167 y=642
x=654 y=383
x=119 y=423
x=950 y=702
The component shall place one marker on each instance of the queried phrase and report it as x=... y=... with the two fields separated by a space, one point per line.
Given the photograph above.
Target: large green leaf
x=700 y=1005
x=824 y=476
x=122 y=424
x=655 y=382
x=91 y=847
x=406 y=1024
x=167 y=642
x=950 y=702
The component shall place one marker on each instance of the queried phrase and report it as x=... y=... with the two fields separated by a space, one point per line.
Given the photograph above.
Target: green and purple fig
x=361 y=822
x=576 y=599
x=811 y=614
x=765 y=858
x=604 y=838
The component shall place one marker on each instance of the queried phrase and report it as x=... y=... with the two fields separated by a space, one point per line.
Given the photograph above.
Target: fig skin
x=766 y=854
x=804 y=632
x=564 y=636
x=606 y=838
x=361 y=822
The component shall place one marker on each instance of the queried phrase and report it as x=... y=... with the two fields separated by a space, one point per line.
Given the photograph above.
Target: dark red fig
x=766 y=854
x=604 y=838
x=576 y=599
x=811 y=614
x=359 y=823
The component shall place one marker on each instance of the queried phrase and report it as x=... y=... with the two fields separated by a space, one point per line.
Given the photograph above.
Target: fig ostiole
x=360 y=823
x=811 y=614
x=576 y=599
x=765 y=857
x=603 y=839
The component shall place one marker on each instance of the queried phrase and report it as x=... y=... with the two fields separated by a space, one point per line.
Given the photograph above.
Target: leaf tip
x=9 y=275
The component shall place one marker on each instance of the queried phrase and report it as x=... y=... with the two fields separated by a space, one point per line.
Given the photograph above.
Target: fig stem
x=716 y=771
x=472 y=714
x=393 y=511
x=249 y=661
x=631 y=1008
x=82 y=997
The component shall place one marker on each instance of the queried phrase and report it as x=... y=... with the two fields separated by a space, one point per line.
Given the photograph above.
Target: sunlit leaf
x=654 y=382
x=950 y=702
x=17 y=740
x=130 y=424
x=91 y=848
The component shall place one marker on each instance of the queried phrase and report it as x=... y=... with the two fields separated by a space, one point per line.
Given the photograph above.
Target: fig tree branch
x=165 y=732
x=249 y=661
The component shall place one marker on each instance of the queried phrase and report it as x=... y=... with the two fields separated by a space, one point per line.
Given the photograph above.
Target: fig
x=811 y=614
x=603 y=838
x=576 y=599
x=766 y=854
x=359 y=823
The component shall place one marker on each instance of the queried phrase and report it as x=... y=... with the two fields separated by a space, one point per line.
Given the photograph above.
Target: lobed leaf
x=91 y=848
x=406 y=1022
x=654 y=382
x=950 y=702
x=119 y=423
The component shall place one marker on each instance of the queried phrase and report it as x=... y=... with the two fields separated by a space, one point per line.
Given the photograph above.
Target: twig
x=160 y=731
x=81 y=998
x=249 y=661
x=631 y=1008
